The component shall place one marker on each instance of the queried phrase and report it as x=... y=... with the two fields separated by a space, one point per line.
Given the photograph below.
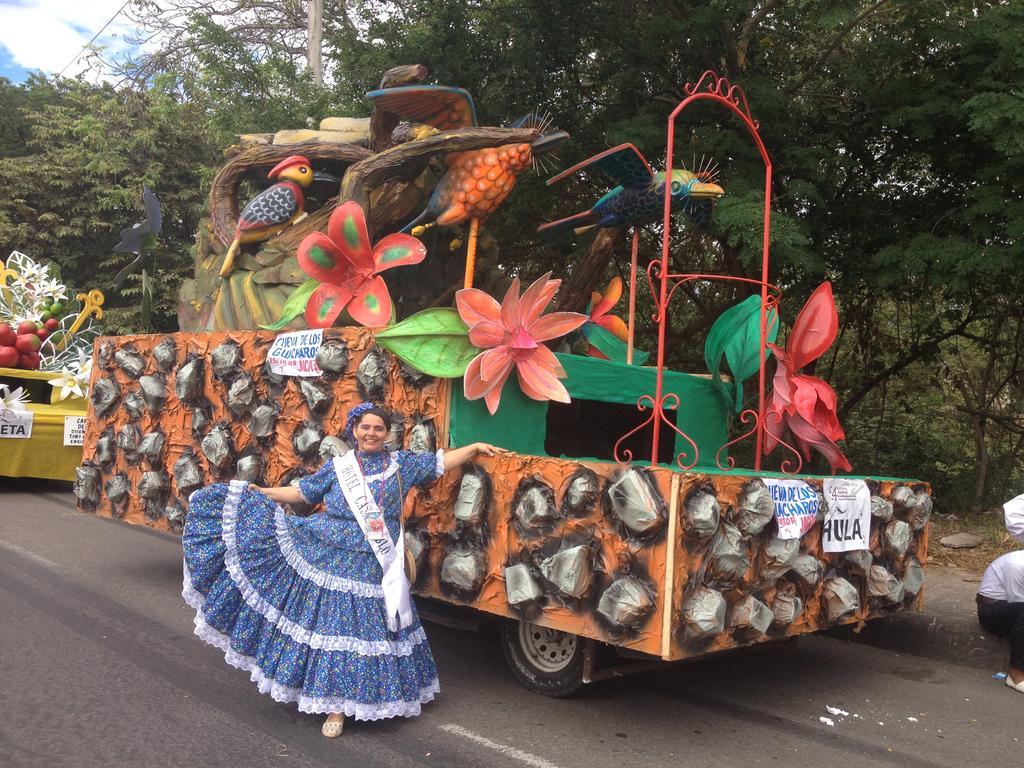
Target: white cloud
x=47 y=34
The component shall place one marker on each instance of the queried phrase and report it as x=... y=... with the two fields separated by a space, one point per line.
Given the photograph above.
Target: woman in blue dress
x=316 y=608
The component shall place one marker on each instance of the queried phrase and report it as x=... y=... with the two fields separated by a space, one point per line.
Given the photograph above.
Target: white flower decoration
x=13 y=400
x=68 y=384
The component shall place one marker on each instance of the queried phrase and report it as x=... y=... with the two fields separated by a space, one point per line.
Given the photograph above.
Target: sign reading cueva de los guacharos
x=796 y=506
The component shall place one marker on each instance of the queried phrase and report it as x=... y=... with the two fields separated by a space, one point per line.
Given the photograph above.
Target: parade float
x=46 y=338
x=617 y=518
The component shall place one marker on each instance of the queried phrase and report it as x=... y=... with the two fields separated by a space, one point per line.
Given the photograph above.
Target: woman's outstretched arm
x=285 y=494
x=459 y=456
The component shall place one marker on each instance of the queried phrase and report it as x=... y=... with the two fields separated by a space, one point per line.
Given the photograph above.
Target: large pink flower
x=512 y=335
x=802 y=405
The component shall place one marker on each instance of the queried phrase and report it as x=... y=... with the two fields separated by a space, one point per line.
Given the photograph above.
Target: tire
x=544 y=660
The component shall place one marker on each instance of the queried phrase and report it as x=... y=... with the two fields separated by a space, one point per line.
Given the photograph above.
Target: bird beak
x=324 y=176
x=701 y=189
x=549 y=142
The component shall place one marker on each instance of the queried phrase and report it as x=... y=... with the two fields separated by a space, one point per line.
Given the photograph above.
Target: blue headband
x=353 y=417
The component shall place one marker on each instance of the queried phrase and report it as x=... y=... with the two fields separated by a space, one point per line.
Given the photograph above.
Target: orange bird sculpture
x=275 y=208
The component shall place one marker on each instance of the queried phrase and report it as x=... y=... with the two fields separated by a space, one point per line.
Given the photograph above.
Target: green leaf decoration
x=434 y=341
x=294 y=307
x=610 y=345
x=736 y=335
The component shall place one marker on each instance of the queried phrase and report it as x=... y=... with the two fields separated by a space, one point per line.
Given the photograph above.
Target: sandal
x=332 y=728
x=1019 y=687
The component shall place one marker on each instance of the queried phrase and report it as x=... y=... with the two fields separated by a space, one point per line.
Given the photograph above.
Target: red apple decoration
x=7 y=335
x=27 y=342
x=42 y=333
x=29 y=361
x=52 y=324
x=9 y=357
x=25 y=327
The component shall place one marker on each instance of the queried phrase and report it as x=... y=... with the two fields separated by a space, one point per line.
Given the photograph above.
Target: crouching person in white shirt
x=1001 y=609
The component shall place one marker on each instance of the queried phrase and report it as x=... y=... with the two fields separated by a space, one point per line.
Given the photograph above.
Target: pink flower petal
x=473 y=387
x=555 y=325
x=540 y=383
x=492 y=398
x=546 y=358
x=495 y=363
x=510 y=312
x=537 y=297
x=611 y=297
x=475 y=306
x=486 y=334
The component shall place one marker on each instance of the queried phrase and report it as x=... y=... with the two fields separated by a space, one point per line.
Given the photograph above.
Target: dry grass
x=995 y=540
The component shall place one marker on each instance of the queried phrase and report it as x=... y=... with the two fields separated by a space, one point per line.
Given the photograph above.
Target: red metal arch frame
x=710 y=87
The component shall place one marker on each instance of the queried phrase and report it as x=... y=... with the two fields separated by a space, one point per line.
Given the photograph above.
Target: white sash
x=368 y=514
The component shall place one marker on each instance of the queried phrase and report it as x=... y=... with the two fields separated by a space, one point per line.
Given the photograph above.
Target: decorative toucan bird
x=639 y=198
x=137 y=237
x=477 y=181
x=275 y=208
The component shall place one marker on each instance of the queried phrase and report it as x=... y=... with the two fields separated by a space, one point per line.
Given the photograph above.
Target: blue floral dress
x=297 y=601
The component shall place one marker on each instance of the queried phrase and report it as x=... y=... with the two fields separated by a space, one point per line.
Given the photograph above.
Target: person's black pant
x=1005 y=620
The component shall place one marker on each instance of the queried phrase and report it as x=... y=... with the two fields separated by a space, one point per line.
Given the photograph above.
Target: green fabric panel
x=702 y=414
x=518 y=425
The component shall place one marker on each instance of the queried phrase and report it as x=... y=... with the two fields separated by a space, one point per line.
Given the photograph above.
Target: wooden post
x=474 y=226
x=314 y=42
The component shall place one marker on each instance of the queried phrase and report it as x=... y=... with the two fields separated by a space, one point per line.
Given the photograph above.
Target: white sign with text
x=15 y=425
x=796 y=506
x=74 y=430
x=847 y=523
x=294 y=354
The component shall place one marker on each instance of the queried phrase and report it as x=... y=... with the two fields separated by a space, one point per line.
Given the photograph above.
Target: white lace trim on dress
x=439 y=467
x=315 y=705
x=309 y=571
x=295 y=631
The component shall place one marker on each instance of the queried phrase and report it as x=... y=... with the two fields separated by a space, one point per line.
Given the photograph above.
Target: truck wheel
x=544 y=660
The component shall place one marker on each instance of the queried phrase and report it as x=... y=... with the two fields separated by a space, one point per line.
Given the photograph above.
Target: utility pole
x=315 y=40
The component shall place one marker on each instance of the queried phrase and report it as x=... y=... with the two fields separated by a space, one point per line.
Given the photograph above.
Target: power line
x=93 y=40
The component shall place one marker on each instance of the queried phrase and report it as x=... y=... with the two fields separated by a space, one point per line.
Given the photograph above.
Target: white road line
x=30 y=555
x=515 y=754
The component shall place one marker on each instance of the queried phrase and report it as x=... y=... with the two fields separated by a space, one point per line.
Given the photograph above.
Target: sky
x=47 y=34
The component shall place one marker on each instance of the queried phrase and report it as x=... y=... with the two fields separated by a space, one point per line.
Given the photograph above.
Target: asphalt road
x=99 y=667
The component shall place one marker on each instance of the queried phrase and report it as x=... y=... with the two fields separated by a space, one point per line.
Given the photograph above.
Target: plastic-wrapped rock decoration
x=372 y=375
x=881 y=508
x=201 y=415
x=332 y=446
x=106 y=355
x=626 y=603
x=581 y=493
x=701 y=513
x=884 y=584
x=152 y=446
x=727 y=558
x=306 y=440
x=226 y=360
x=754 y=508
x=105 y=394
x=128 y=441
x=153 y=508
x=778 y=556
x=474 y=496
x=463 y=571
x=808 y=570
x=130 y=361
x=413 y=377
x=635 y=501
x=241 y=394
x=520 y=586
x=154 y=485
x=786 y=607
x=154 y=392
x=822 y=508
x=858 y=561
x=218 y=447
x=249 y=468
x=533 y=506
x=396 y=434
x=919 y=510
x=318 y=395
x=896 y=538
x=166 y=354
x=423 y=437
x=106 y=448
x=133 y=404
x=900 y=496
x=704 y=613
x=569 y=570
x=87 y=485
x=263 y=421
x=417 y=543
x=840 y=597
x=913 y=576
x=188 y=476
x=275 y=381
x=175 y=514
x=188 y=381
x=332 y=357
x=751 y=615
x=118 y=488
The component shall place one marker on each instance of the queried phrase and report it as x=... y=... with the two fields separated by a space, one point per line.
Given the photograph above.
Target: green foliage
x=434 y=341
